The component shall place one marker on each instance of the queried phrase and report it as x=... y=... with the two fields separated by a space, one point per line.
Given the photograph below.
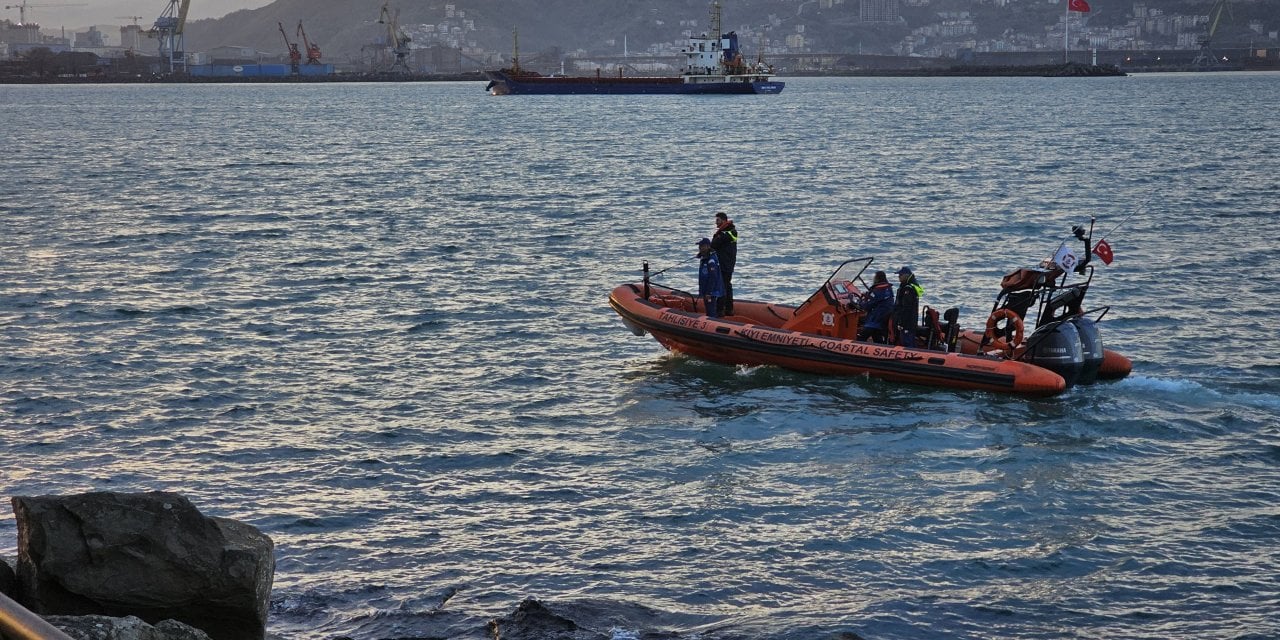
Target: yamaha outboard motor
x=1091 y=345
x=1056 y=347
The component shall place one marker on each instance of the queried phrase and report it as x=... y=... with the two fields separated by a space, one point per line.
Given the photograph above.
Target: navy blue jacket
x=709 y=281
x=878 y=306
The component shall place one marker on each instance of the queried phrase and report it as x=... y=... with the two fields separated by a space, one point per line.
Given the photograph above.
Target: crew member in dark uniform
x=710 y=283
x=725 y=243
x=878 y=304
x=906 y=309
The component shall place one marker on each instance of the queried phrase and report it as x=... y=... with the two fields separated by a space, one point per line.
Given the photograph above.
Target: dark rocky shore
x=149 y=566
x=137 y=560
x=1066 y=70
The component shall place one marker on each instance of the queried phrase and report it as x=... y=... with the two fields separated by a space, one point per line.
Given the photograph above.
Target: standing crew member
x=878 y=303
x=906 y=310
x=725 y=243
x=710 y=284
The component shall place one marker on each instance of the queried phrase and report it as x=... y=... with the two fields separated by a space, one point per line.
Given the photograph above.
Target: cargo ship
x=713 y=65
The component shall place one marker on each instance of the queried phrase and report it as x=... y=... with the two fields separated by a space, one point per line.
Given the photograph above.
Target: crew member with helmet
x=710 y=283
x=906 y=308
x=725 y=244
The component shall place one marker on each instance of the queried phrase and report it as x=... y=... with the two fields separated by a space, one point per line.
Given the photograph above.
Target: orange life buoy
x=993 y=335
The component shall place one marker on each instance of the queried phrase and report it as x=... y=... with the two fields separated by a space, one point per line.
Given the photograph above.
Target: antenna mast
x=715 y=22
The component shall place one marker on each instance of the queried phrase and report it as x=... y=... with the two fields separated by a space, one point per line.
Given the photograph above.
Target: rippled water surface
x=371 y=320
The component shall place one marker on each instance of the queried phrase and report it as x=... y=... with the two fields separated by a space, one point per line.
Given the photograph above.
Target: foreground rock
x=593 y=619
x=7 y=579
x=534 y=621
x=128 y=628
x=149 y=555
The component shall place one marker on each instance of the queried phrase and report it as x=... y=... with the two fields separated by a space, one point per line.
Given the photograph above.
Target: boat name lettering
x=682 y=320
x=774 y=337
x=857 y=349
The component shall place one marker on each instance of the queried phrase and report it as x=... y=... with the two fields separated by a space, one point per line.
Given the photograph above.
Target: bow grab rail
x=20 y=624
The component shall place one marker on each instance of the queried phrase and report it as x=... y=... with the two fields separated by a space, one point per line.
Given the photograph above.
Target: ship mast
x=715 y=22
x=515 y=51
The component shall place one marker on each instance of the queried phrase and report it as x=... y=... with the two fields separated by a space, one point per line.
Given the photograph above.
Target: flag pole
x=1066 y=26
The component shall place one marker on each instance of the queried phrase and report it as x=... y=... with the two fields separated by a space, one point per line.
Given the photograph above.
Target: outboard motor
x=1091 y=345
x=1056 y=347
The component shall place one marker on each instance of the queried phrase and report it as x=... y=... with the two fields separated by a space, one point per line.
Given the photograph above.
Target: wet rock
x=150 y=555
x=127 y=628
x=533 y=621
x=7 y=579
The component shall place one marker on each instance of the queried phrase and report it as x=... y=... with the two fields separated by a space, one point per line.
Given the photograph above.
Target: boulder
x=532 y=620
x=127 y=628
x=7 y=579
x=150 y=555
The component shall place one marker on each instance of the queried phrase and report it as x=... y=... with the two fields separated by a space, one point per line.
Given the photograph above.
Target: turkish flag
x=1103 y=250
x=1078 y=5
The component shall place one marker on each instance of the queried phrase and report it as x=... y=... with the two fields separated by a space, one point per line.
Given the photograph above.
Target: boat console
x=833 y=309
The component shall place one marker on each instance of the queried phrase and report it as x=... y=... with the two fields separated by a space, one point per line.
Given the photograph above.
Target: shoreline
x=1061 y=70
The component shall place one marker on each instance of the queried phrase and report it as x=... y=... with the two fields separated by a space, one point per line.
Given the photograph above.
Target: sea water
x=371 y=320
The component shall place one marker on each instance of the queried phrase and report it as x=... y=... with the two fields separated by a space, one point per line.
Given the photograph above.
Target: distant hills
x=343 y=27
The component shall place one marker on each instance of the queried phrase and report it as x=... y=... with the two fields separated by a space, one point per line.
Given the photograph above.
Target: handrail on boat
x=18 y=623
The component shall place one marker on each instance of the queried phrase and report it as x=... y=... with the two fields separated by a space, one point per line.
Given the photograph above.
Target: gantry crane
x=294 y=55
x=313 y=49
x=397 y=39
x=168 y=30
x=22 y=9
x=1207 y=57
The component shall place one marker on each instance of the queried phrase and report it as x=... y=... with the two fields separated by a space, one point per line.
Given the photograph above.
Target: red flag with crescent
x=1078 y=5
x=1103 y=250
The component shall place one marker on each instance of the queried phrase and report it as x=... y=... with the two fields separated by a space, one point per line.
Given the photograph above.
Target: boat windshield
x=850 y=271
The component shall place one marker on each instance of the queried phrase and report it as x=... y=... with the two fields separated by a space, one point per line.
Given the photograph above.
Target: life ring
x=993 y=333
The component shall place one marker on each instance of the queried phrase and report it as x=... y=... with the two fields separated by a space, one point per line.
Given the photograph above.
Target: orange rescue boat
x=819 y=337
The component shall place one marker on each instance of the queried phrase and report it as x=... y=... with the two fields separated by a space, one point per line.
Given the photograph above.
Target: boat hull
x=501 y=83
x=749 y=338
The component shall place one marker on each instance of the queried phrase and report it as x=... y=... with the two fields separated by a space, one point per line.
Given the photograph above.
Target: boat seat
x=1065 y=303
x=1019 y=302
x=931 y=333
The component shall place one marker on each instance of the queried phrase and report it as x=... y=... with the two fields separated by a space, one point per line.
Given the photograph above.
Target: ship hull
x=503 y=84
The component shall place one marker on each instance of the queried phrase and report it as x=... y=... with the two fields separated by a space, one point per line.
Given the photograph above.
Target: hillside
x=343 y=27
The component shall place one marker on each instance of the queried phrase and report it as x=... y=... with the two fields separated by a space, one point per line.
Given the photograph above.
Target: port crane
x=168 y=29
x=22 y=9
x=1207 y=57
x=295 y=56
x=313 y=49
x=397 y=39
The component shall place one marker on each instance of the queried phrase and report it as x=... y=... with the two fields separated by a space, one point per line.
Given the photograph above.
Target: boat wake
x=1198 y=393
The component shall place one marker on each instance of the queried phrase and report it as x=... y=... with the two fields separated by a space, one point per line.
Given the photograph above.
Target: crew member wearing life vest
x=906 y=309
x=725 y=244
x=710 y=284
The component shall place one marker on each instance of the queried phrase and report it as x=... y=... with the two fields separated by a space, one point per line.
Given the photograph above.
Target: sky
x=107 y=12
